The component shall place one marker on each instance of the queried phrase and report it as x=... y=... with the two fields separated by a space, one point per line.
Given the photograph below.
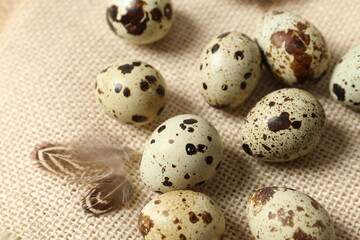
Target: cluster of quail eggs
x=186 y=151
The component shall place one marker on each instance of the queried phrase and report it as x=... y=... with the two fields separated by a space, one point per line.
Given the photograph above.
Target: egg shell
x=131 y=92
x=283 y=213
x=230 y=68
x=183 y=215
x=284 y=125
x=140 y=21
x=345 y=81
x=294 y=49
x=183 y=152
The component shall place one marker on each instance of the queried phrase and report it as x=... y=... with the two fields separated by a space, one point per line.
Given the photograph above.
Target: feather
x=55 y=159
x=107 y=195
x=99 y=165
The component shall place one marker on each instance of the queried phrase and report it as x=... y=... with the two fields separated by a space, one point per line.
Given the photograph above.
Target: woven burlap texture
x=50 y=53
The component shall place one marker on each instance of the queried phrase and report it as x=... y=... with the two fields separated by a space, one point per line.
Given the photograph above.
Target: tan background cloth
x=50 y=53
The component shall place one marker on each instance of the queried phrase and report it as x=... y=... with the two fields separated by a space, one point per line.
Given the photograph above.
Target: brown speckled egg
x=345 y=81
x=284 y=125
x=283 y=213
x=183 y=215
x=184 y=152
x=294 y=49
x=131 y=92
x=230 y=68
x=140 y=21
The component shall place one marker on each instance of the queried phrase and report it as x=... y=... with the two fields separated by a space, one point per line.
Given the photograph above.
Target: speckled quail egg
x=230 y=68
x=294 y=49
x=140 y=21
x=283 y=213
x=345 y=81
x=183 y=152
x=284 y=125
x=182 y=215
x=132 y=92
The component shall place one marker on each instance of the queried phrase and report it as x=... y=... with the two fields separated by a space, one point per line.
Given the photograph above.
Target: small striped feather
x=107 y=195
x=56 y=159
x=101 y=166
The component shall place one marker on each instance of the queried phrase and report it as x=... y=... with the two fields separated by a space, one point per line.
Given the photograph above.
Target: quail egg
x=140 y=21
x=283 y=213
x=284 y=125
x=294 y=49
x=132 y=92
x=345 y=81
x=230 y=68
x=182 y=215
x=183 y=152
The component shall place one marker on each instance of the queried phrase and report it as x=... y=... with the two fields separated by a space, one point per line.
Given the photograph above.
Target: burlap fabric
x=50 y=53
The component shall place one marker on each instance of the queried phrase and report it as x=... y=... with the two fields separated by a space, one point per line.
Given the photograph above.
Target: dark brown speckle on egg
x=193 y=218
x=201 y=148
x=262 y=196
x=207 y=218
x=190 y=121
x=247 y=75
x=239 y=55
x=160 y=91
x=145 y=224
x=150 y=79
x=156 y=14
x=135 y=20
x=215 y=48
x=183 y=127
x=296 y=42
x=209 y=160
x=182 y=237
x=300 y=235
x=279 y=123
x=247 y=149
x=243 y=85
x=190 y=149
x=127 y=68
x=139 y=118
x=205 y=86
x=144 y=86
x=167 y=183
x=162 y=128
x=339 y=92
x=168 y=11
x=127 y=92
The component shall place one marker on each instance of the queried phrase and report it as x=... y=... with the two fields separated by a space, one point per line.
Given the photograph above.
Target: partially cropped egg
x=284 y=125
x=294 y=49
x=230 y=68
x=345 y=81
x=182 y=215
x=140 y=21
x=284 y=213
x=131 y=92
x=183 y=152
